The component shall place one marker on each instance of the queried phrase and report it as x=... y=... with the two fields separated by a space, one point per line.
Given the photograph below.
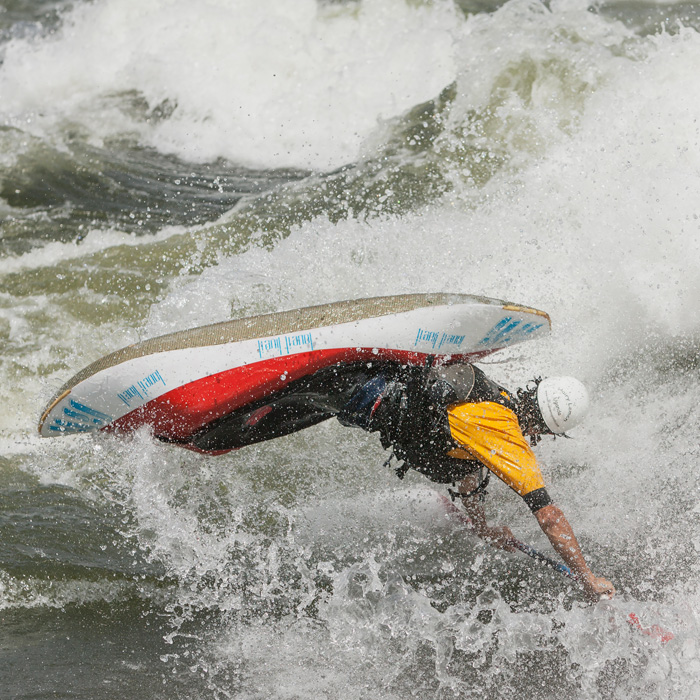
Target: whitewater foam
x=267 y=84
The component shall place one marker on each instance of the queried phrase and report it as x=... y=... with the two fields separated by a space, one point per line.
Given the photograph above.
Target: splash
x=269 y=84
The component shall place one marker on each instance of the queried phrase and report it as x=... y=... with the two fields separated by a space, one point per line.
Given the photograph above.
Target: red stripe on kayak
x=179 y=413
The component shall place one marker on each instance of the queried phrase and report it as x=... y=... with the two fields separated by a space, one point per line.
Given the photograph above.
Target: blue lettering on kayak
x=439 y=339
x=508 y=331
x=81 y=419
x=130 y=394
x=451 y=339
x=285 y=345
x=429 y=337
x=146 y=385
x=97 y=416
x=142 y=389
x=63 y=426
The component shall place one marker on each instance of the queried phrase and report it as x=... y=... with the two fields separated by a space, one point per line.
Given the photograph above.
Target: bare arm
x=553 y=523
x=561 y=535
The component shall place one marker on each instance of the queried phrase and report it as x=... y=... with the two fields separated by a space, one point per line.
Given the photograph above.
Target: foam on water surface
x=570 y=148
x=259 y=83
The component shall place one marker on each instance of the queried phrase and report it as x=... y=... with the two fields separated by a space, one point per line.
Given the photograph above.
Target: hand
x=597 y=588
x=499 y=536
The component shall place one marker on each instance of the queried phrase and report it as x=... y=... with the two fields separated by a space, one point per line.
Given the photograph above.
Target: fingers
x=607 y=590
x=600 y=588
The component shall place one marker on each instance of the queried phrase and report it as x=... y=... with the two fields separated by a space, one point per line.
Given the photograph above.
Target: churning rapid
x=169 y=164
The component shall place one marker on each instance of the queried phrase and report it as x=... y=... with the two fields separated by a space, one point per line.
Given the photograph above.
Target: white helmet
x=563 y=402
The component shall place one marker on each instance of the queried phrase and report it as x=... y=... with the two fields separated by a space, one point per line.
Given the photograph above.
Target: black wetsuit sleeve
x=539 y=498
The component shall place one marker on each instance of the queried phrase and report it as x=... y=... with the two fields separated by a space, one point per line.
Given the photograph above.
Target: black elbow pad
x=539 y=498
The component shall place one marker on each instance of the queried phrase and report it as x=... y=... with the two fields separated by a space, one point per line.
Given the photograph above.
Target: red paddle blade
x=656 y=632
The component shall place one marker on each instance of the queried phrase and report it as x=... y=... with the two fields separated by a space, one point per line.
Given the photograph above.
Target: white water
x=264 y=83
x=595 y=220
